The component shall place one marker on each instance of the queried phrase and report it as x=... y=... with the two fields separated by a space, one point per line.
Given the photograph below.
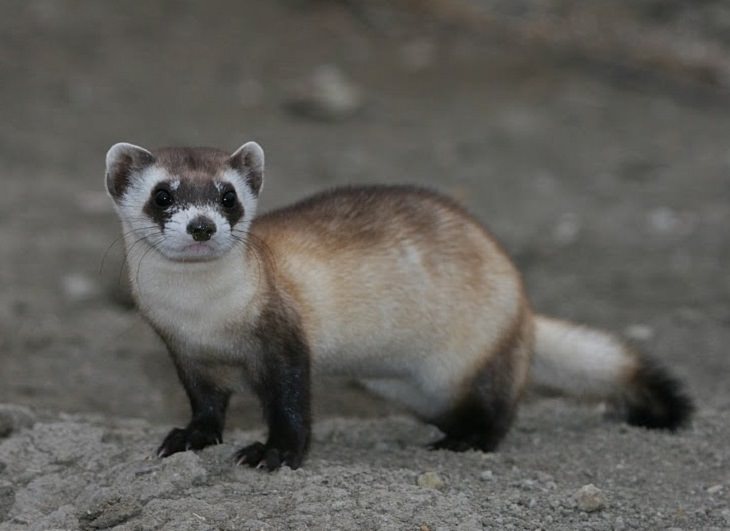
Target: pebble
x=639 y=332
x=567 y=229
x=13 y=418
x=327 y=95
x=663 y=219
x=430 y=480
x=590 y=498
x=714 y=489
x=666 y=221
x=79 y=287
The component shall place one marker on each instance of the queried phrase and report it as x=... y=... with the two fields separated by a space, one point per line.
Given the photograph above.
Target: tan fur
x=397 y=283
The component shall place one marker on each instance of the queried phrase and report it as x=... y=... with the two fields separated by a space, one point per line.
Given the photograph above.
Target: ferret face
x=189 y=204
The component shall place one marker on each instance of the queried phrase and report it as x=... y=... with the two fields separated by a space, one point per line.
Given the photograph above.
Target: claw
x=184 y=439
x=260 y=456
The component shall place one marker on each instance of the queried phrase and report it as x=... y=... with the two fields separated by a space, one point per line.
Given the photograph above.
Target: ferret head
x=190 y=204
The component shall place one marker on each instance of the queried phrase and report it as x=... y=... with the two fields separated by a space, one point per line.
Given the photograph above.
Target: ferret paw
x=182 y=439
x=266 y=456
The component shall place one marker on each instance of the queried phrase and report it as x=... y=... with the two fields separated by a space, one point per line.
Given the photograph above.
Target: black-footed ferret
x=395 y=286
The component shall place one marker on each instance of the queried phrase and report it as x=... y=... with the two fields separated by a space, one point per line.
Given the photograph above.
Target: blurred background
x=591 y=136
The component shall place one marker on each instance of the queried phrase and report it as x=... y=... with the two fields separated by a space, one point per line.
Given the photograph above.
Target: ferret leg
x=283 y=386
x=208 y=404
x=482 y=412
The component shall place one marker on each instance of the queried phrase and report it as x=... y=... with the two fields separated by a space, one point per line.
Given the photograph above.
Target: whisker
x=152 y=247
x=256 y=247
x=116 y=241
x=129 y=252
x=245 y=247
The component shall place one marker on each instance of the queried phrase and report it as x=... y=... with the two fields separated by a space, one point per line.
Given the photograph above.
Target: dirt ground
x=610 y=188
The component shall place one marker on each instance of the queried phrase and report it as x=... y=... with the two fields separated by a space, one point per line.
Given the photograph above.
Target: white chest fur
x=202 y=307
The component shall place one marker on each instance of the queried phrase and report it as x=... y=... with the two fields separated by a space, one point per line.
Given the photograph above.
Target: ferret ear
x=249 y=161
x=122 y=162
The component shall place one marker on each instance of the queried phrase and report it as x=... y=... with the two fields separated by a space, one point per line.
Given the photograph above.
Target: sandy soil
x=611 y=193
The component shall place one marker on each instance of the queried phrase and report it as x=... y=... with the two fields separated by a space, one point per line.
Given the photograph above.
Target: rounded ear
x=123 y=160
x=249 y=161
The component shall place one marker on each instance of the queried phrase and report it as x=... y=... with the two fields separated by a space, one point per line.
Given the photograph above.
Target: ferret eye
x=229 y=199
x=163 y=198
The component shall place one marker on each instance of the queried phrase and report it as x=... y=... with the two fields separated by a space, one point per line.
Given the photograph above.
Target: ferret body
x=395 y=286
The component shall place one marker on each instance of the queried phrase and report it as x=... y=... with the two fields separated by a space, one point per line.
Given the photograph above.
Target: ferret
x=397 y=287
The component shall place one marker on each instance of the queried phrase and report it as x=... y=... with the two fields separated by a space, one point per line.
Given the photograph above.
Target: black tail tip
x=657 y=400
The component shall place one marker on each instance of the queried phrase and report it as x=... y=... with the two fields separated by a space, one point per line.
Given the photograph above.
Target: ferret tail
x=583 y=362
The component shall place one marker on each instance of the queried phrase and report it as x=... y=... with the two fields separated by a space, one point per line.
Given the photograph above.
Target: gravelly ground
x=95 y=473
x=612 y=194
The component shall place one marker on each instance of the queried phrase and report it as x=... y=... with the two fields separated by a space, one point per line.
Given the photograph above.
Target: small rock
x=430 y=480
x=13 y=418
x=78 y=287
x=527 y=484
x=326 y=96
x=110 y=512
x=590 y=498
x=666 y=221
x=639 y=332
x=567 y=229
x=663 y=219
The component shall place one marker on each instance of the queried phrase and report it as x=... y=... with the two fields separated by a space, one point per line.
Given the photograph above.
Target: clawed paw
x=182 y=439
x=266 y=456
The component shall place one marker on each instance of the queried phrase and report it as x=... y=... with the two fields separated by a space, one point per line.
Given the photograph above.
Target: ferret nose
x=201 y=229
